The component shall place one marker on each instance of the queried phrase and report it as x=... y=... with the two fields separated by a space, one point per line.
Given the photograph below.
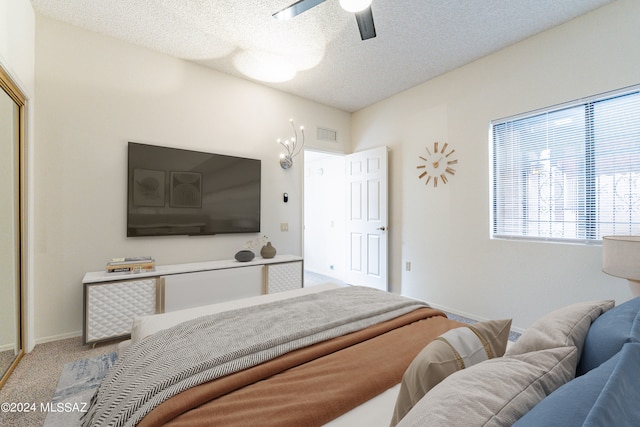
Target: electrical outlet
x=284 y=226
x=407 y=266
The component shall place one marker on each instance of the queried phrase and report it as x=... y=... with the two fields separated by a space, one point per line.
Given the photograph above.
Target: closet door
x=12 y=104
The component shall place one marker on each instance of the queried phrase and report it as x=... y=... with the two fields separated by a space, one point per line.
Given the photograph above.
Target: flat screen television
x=173 y=191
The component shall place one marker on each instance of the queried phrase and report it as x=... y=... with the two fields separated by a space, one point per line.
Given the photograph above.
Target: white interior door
x=367 y=210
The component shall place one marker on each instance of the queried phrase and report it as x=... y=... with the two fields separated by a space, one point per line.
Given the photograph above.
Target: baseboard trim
x=470 y=316
x=8 y=347
x=43 y=340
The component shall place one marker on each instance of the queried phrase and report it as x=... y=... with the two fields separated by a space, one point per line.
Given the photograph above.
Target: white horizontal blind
x=570 y=172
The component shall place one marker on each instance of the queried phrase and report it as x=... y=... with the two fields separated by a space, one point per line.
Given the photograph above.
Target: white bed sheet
x=373 y=413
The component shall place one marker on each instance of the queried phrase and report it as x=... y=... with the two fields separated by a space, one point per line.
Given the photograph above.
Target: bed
x=347 y=376
x=411 y=366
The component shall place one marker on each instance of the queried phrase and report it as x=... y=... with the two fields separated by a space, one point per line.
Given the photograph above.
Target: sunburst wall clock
x=436 y=164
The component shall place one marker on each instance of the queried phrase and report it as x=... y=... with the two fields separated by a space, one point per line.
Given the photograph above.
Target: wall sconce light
x=292 y=146
x=621 y=258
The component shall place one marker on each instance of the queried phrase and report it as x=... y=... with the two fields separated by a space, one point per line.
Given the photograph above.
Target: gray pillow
x=567 y=326
x=496 y=392
x=456 y=349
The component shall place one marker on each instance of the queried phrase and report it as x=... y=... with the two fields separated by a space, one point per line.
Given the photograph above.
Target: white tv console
x=112 y=300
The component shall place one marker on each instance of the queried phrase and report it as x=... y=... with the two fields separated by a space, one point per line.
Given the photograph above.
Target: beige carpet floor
x=36 y=376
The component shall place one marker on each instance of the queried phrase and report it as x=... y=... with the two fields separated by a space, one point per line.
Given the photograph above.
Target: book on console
x=130 y=260
x=131 y=264
x=130 y=269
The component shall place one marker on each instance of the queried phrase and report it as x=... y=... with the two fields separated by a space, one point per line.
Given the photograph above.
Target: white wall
x=444 y=231
x=96 y=93
x=17 y=58
x=17 y=42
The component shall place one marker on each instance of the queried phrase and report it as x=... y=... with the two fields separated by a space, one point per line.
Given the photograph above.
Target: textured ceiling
x=417 y=39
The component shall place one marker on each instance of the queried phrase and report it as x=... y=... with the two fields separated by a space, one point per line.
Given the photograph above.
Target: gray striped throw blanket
x=210 y=347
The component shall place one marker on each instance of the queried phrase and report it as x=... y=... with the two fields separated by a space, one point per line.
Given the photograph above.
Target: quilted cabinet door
x=283 y=277
x=111 y=307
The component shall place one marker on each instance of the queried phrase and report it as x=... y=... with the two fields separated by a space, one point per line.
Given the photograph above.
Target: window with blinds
x=569 y=172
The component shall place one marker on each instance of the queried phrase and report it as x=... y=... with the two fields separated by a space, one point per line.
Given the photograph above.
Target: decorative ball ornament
x=436 y=164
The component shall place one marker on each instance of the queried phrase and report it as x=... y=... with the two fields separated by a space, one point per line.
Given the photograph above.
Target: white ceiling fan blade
x=296 y=9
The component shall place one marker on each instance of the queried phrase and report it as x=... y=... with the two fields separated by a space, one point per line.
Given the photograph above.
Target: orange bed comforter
x=310 y=386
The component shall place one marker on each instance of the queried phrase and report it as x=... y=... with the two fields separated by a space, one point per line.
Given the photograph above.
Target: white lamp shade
x=355 y=5
x=621 y=256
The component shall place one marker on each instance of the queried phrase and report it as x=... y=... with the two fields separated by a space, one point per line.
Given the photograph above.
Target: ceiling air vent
x=325 y=134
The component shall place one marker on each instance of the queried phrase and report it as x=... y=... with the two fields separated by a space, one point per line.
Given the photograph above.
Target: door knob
x=382 y=228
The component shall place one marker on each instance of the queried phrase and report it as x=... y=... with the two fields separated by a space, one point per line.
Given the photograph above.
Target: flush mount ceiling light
x=355 y=5
x=264 y=66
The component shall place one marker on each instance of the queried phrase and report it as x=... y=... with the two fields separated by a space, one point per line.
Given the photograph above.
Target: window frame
x=590 y=196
